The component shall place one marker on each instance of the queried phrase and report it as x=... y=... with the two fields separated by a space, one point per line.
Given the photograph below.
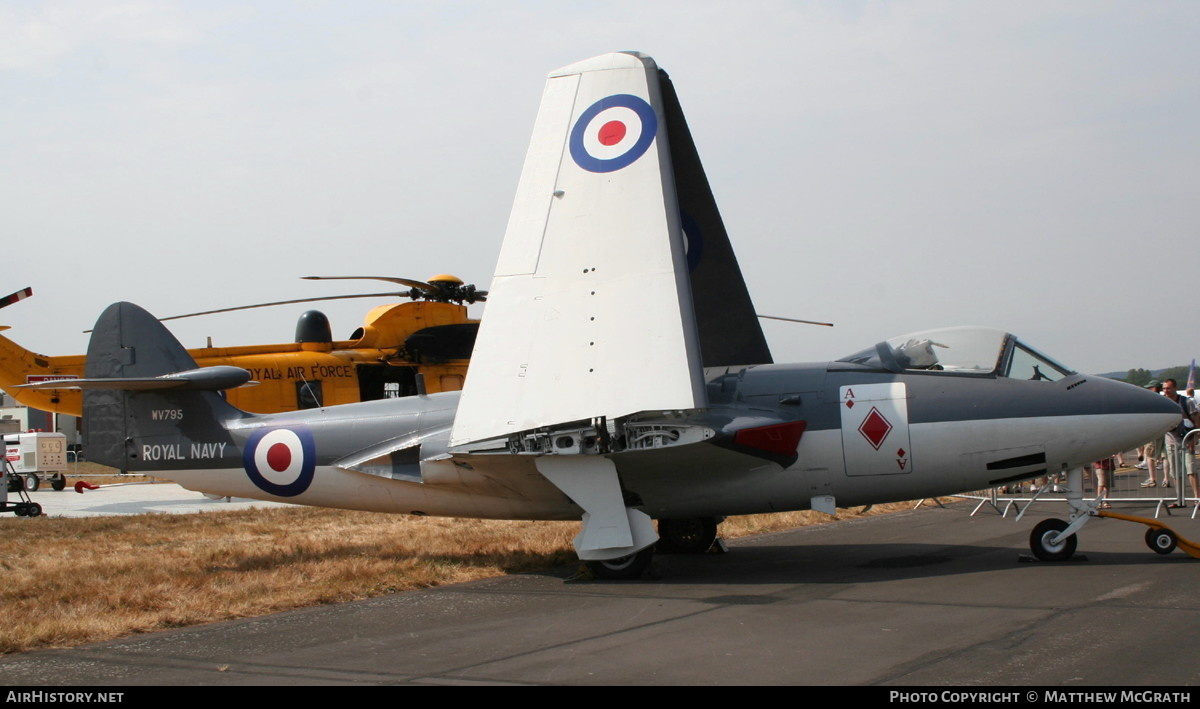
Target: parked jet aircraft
x=609 y=386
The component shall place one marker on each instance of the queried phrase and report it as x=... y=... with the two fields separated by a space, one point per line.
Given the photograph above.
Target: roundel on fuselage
x=281 y=461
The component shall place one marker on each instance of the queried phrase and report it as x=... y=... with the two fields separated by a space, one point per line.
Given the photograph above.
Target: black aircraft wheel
x=32 y=483
x=624 y=568
x=58 y=482
x=1044 y=549
x=1162 y=541
x=33 y=509
x=694 y=535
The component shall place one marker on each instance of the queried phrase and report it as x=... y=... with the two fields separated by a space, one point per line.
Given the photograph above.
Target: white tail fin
x=590 y=313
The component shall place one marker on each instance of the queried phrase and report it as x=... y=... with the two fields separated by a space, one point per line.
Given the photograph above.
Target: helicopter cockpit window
x=1028 y=364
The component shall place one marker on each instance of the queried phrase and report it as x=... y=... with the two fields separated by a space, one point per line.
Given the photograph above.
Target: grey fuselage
x=869 y=436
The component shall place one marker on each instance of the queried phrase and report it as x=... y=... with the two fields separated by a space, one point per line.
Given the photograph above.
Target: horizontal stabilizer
x=396 y=459
x=203 y=379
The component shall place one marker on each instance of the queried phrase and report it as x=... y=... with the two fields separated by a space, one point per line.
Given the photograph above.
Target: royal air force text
x=310 y=373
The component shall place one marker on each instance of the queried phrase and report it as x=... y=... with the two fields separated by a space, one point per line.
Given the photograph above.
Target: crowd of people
x=1163 y=453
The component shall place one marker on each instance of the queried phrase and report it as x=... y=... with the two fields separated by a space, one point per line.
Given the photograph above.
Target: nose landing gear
x=1048 y=543
x=1055 y=540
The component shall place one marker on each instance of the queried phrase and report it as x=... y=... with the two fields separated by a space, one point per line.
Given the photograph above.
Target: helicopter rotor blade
x=279 y=302
x=390 y=279
x=420 y=287
x=805 y=322
x=14 y=297
x=284 y=302
x=267 y=305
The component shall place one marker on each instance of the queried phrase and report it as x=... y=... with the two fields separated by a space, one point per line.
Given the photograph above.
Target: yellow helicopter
x=406 y=348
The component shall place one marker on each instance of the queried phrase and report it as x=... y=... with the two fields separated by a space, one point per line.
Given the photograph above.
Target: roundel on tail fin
x=613 y=133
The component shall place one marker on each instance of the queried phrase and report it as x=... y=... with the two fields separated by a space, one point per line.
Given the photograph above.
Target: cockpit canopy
x=961 y=350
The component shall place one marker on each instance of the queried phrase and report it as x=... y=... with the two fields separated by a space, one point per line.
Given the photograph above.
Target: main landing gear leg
x=1054 y=539
x=616 y=542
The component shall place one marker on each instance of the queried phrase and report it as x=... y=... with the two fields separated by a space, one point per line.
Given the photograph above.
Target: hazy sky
x=889 y=166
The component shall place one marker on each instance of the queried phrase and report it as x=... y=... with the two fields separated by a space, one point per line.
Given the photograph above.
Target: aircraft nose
x=1145 y=413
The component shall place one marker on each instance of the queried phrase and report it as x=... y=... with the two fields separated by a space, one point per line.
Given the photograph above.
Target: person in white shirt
x=1174 y=438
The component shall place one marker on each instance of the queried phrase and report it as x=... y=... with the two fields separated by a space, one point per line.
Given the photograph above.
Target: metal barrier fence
x=1117 y=486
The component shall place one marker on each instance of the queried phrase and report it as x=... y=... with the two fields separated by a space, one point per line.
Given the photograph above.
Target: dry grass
x=71 y=581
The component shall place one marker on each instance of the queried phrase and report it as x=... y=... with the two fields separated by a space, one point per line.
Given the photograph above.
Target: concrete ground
x=131 y=498
x=929 y=597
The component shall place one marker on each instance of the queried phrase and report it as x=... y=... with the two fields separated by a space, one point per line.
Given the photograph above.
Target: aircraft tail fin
x=145 y=404
x=728 y=327
x=592 y=310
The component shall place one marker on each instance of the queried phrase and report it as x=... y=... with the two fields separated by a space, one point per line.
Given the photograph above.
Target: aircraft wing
x=590 y=313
